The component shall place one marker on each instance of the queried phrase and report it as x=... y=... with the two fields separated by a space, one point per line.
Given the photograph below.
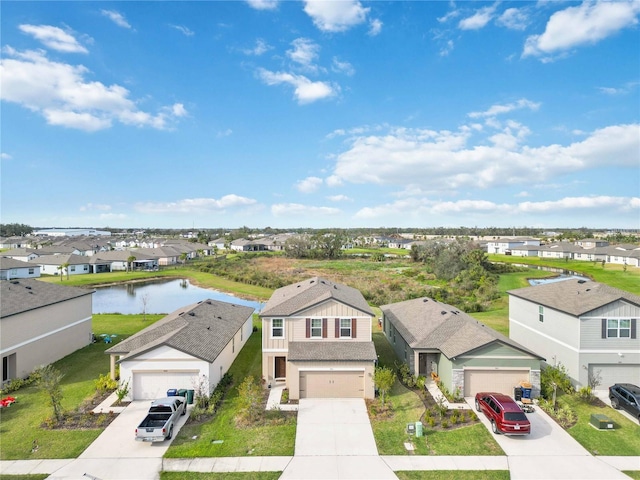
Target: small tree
x=383 y=379
x=145 y=300
x=130 y=261
x=183 y=257
x=48 y=378
x=249 y=399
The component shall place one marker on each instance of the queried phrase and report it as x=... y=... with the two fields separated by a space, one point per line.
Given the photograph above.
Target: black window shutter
x=604 y=328
x=633 y=328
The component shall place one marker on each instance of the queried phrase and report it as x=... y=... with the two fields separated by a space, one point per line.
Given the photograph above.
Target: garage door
x=151 y=385
x=331 y=384
x=501 y=381
x=610 y=374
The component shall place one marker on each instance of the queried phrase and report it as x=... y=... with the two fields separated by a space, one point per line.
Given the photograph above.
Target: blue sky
x=321 y=114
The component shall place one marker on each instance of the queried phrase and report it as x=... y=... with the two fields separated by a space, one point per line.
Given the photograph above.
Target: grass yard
x=219 y=475
x=20 y=424
x=195 y=440
x=455 y=475
x=622 y=441
x=34 y=476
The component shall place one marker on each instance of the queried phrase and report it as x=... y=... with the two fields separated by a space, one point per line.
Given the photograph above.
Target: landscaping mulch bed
x=83 y=417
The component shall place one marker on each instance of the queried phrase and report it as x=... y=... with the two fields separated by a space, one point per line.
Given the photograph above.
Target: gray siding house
x=588 y=327
x=467 y=356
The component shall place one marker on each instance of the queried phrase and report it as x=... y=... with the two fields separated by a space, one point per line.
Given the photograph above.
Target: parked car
x=162 y=417
x=627 y=397
x=504 y=413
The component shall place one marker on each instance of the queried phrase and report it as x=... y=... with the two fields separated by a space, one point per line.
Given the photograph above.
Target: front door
x=281 y=367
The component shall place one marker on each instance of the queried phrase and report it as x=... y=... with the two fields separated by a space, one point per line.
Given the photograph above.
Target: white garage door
x=331 y=384
x=151 y=385
x=610 y=374
x=501 y=381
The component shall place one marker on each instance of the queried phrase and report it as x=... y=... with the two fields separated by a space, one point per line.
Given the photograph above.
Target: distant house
x=41 y=322
x=194 y=345
x=468 y=357
x=55 y=264
x=588 y=327
x=504 y=245
x=316 y=339
x=118 y=260
x=22 y=254
x=11 y=268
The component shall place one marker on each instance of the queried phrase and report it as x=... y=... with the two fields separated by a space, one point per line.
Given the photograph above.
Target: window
x=316 y=328
x=73 y=269
x=541 y=313
x=345 y=328
x=277 y=328
x=31 y=271
x=619 y=328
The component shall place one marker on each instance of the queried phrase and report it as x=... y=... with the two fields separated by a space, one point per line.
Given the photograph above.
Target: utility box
x=601 y=422
x=418 y=429
x=411 y=428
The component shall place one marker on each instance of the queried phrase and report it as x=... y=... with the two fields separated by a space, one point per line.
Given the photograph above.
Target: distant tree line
x=14 y=229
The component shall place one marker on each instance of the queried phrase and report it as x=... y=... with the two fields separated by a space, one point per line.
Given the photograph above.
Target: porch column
x=112 y=366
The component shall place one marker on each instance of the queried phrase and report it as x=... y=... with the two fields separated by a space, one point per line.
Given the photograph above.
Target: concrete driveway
x=334 y=440
x=548 y=452
x=116 y=455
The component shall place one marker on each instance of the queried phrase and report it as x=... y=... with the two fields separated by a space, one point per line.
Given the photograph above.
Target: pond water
x=559 y=278
x=164 y=296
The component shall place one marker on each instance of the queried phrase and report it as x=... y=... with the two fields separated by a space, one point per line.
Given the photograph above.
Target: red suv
x=504 y=413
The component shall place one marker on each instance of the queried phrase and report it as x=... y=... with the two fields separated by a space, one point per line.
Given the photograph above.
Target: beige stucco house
x=316 y=339
x=191 y=348
x=41 y=323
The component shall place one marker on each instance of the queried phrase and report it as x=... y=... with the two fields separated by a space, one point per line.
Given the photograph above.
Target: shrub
x=122 y=391
x=105 y=384
x=585 y=393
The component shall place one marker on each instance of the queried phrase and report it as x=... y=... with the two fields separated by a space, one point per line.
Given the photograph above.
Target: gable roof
x=26 y=294
x=426 y=323
x=202 y=330
x=295 y=298
x=7 y=263
x=574 y=296
x=61 y=259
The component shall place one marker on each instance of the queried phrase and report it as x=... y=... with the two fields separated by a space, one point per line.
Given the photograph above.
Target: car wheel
x=170 y=433
x=494 y=427
x=477 y=406
x=614 y=403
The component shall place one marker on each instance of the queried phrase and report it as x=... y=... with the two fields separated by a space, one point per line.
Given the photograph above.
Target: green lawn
x=195 y=440
x=20 y=424
x=219 y=476
x=455 y=475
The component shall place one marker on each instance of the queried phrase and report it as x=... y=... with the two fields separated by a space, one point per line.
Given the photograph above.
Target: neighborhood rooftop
x=28 y=294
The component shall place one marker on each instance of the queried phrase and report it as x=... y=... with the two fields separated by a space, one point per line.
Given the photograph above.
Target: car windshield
x=515 y=416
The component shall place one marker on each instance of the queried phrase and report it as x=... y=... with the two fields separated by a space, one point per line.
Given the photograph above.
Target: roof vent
x=425 y=300
x=191 y=314
x=582 y=281
x=335 y=287
x=443 y=312
x=588 y=290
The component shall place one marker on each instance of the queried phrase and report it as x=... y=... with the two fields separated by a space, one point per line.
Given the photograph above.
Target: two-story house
x=588 y=327
x=316 y=338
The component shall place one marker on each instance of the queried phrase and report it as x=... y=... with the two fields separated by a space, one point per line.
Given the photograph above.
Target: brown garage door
x=502 y=381
x=331 y=384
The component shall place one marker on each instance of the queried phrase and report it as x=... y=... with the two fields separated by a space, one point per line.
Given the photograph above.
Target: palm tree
x=130 y=261
x=183 y=257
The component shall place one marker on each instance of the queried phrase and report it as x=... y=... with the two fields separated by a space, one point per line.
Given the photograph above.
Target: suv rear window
x=515 y=416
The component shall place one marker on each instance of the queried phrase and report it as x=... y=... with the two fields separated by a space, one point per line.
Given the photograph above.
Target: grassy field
x=195 y=440
x=219 y=475
x=455 y=475
x=20 y=424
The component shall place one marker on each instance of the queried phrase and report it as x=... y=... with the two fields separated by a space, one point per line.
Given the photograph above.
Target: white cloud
x=514 y=19
x=224 y=133
x=332 y=16
x=446 y=49
x=63 y=96
x=297 y=209
x=305 y=91
x=339 y=198
x=587 y=23
x=495 y=110
x=478 y=20
x=449 y=16
x=5 y=156
x=446 y=162
x=54 y=38
x=309 y=184
x=260 y=48
x=263 y=4
x=626 y=88
x=342 y=67
x=567 y=204
x=116 y=17
x=184 y=30
x=196 y=205
x=95 y=206
x=304 y=52
x=375 y=27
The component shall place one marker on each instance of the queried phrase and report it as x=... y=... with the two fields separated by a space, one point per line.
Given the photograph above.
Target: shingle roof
x=331 y=352
x=574 y=296
x=202 y=329
x=7 y=263
x=61 y=259
x=295 y=298
x=425 y=323
x=26 y=294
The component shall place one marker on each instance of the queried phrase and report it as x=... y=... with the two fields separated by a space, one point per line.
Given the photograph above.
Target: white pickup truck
x=159 y=423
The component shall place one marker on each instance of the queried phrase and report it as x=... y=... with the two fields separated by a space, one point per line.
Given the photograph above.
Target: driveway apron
x=334 y=440
x=549 y=452
x=115 y=454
